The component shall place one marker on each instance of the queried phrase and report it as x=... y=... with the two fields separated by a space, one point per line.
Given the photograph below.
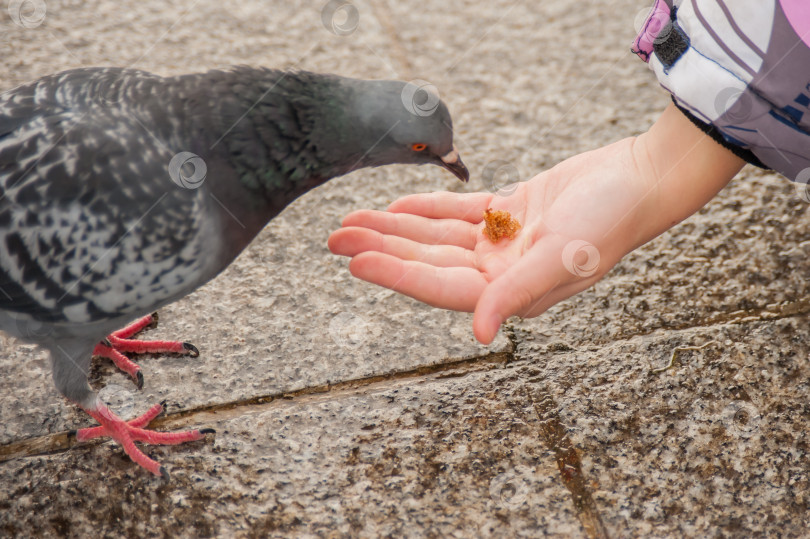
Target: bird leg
x=120 y=341
x=127 y=433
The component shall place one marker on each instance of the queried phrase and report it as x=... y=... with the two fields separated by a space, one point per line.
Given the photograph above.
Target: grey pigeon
x=122 y=191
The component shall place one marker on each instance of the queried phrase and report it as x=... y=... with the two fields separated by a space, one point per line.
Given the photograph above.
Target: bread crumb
x=499 y=224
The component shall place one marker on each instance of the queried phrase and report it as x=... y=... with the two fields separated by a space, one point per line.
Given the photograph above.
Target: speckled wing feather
x=91 y=224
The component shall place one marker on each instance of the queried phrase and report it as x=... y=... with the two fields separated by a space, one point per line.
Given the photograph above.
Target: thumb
x=551 y=262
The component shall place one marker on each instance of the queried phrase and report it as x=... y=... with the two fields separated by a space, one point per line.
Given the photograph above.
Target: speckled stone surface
x=432 y=457
x=716 y=444
x=343 y=409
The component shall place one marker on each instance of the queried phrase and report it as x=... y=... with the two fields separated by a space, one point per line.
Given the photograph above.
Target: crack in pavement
x=771 y=311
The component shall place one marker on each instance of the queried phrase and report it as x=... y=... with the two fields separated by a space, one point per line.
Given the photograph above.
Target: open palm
x=578 y=219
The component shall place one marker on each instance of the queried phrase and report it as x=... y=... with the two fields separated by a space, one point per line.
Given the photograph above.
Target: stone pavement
x=343 y=409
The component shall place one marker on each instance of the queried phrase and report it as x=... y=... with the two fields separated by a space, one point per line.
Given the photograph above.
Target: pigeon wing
x=93 y=224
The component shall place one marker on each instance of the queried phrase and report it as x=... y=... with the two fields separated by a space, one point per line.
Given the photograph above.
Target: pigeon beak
x=452 y=162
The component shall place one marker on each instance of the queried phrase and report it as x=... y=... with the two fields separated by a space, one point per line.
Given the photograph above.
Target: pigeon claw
x=126 y=433
x=118 y=342
x=121 y=361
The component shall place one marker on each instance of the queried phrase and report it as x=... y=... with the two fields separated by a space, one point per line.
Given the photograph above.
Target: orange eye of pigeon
x=418 y=147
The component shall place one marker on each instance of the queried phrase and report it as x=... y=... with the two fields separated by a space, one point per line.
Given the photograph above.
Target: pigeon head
x=399 y=122
x=289 y=132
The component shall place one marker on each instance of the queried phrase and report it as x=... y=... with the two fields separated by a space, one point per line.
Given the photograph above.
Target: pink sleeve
x=739 y=69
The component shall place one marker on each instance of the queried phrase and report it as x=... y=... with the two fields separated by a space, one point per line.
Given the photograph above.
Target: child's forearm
x=685 y=168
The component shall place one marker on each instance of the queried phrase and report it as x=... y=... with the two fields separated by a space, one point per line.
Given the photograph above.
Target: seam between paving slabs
x=770 y=312
x=62 y=441
x=554 y=436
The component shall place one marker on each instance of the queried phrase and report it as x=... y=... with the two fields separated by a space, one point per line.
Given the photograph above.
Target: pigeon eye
x=418 y=147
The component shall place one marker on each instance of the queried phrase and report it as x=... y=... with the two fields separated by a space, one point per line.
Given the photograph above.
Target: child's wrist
x=684 y=168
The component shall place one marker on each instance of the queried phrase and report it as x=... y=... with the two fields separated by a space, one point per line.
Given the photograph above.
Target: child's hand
x=578 y=219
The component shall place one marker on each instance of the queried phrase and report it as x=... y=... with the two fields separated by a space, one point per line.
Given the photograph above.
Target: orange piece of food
x=500 y=224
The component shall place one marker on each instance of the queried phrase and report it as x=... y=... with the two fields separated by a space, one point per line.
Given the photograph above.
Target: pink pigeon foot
x=120 y=341
x=127 y=433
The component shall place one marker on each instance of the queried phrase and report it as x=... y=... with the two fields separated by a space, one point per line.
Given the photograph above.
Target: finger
x=443 y=205
x=413 y=227
x=447 y=288
x=526 y=284
x=351 y=241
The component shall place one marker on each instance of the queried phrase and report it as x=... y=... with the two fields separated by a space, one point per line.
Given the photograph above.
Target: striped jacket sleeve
x=740 y=70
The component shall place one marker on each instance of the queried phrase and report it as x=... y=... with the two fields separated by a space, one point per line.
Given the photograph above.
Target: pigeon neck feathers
x=287 y=132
